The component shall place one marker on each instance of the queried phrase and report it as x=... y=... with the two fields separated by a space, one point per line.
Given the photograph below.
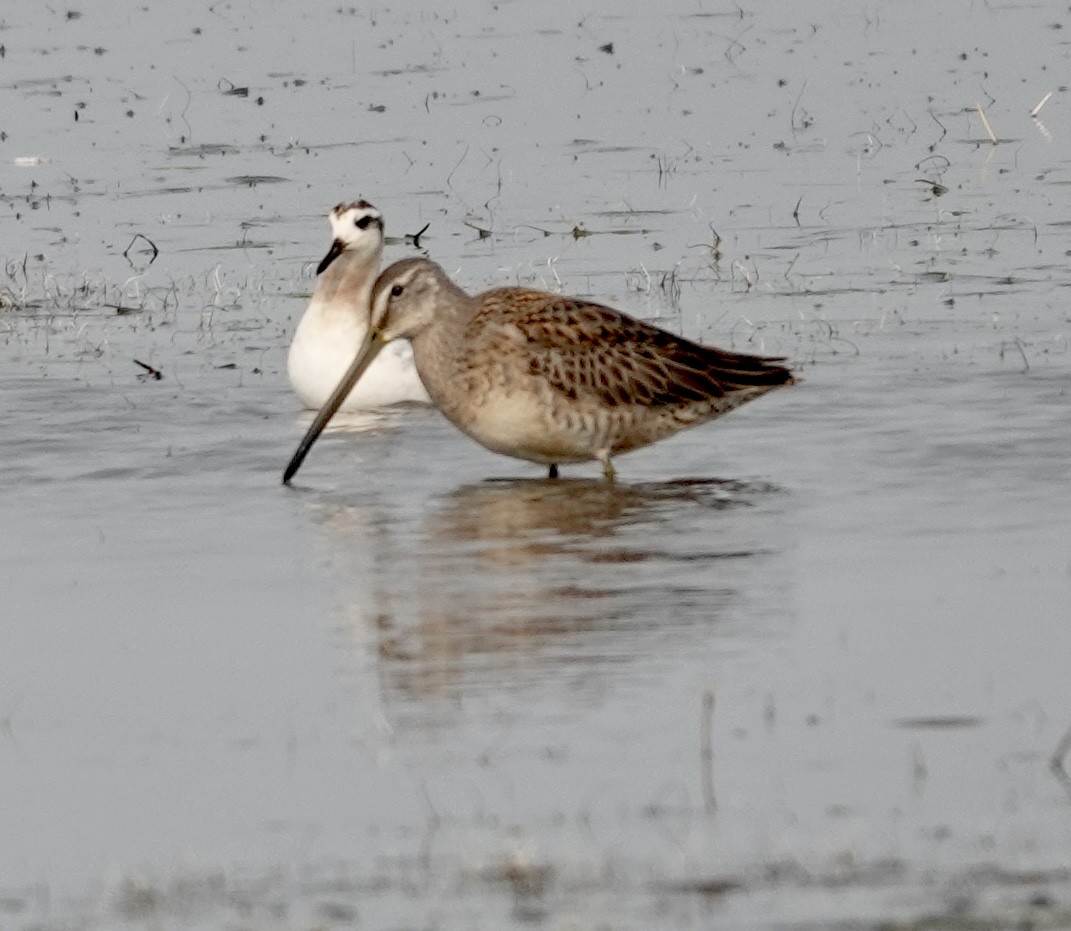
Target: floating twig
x=1018 y=344
x=1044 y=100
x=713 y=247
x=413 y=239
x=150 y=372
x=735 y=46
x=182 y=115
x=944 y=130
x=791 y=265
x=985 y=123
x=449 y=177
x=940 y=163
x=483 y=234
x=230 y=90
x=805 y=123
x=152 y=245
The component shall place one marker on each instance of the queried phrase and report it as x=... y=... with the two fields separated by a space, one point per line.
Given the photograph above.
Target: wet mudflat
x=805 y=667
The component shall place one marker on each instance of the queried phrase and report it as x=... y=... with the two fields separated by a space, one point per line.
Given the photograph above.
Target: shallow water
x=805 y=667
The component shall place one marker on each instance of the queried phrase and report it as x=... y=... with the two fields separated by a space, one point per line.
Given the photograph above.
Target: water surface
x=804 y=667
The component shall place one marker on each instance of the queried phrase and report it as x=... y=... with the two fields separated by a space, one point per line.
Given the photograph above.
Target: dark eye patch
x=362 y=222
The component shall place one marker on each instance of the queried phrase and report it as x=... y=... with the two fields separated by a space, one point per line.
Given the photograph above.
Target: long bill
x=370 y=348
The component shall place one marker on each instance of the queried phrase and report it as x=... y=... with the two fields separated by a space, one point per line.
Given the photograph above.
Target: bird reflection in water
x=528 y=584
x=541 y=517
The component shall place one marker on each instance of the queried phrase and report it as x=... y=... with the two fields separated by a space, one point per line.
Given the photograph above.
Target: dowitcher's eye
x=362 y=222
x=396 y=291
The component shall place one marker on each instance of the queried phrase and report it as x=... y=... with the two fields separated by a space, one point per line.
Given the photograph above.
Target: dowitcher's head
x=405 y=300
x=406 y=296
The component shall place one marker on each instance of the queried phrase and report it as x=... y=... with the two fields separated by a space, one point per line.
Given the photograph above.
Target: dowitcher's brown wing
x=586 y=350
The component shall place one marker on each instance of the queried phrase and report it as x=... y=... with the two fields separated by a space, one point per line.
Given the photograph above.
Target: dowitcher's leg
x=553 y=471
x=603 y=456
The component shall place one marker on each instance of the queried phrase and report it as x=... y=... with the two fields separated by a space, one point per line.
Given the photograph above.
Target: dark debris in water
x=711 y=887
x=254 y=180
x=155 y=192
x=231 y=90
x=240 y=244
x=410 y=69
x=152 y=246
x=205 y=148
x=150 y=372
x=939 y=722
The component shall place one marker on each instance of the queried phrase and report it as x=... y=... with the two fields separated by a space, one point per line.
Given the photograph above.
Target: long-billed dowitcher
x=336 y=321
x=543 y=377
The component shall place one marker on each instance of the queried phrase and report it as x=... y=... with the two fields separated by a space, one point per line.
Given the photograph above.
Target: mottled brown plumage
x=586 y=349
x=548 y=378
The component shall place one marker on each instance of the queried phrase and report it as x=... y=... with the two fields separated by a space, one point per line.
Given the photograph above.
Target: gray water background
x=426 y=688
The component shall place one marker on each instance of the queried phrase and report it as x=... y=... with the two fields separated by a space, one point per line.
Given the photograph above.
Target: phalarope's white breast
x=547 y=378
x=336 y=321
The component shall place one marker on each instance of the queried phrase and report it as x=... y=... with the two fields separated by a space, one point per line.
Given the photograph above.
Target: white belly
x=325 y=344
x=518 y=425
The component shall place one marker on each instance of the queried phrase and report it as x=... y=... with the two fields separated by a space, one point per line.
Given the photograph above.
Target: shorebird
x=543 y=377
x=336 y=321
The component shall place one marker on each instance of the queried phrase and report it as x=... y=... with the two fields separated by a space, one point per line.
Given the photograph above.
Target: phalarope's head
x=356 y=227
